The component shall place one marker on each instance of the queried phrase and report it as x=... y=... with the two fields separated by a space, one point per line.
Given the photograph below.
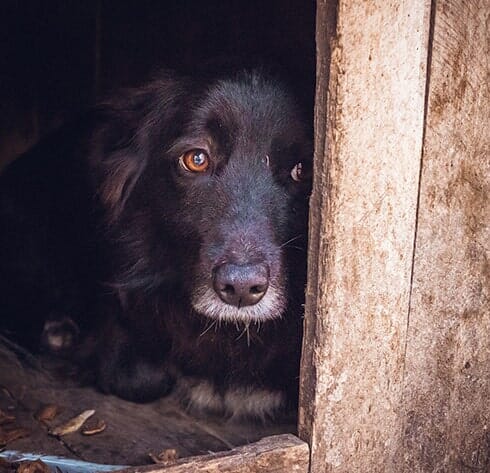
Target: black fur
x=102 y=225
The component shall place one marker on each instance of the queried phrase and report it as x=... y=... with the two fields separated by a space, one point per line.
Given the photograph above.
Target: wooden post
x=447 y=382
x=362 y=231
x=396 y=363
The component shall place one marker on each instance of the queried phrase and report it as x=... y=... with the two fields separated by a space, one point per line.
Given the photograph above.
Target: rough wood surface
x=447 y=381
x=325 y=30
x=362 y=233
x=278 y=454
x=133 y=430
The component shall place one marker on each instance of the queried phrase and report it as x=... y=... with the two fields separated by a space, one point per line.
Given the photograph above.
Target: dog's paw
x=201 y=397
x=59 y=336
x=135 y=380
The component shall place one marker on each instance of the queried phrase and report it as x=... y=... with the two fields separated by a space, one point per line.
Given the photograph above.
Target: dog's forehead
x=249 y=102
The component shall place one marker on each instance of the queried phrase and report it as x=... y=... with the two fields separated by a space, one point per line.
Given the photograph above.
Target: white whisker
x=209 y=327
x=291 y=240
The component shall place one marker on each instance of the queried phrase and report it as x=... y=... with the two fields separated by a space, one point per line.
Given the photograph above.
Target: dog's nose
x=241 y=285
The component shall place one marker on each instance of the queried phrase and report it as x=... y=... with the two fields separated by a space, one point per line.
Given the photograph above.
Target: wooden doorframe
x=395 y=359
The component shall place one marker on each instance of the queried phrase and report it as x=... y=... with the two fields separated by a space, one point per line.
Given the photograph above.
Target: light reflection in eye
x=297 y=172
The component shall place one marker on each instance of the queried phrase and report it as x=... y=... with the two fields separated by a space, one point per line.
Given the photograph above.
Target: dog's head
x=224 y=172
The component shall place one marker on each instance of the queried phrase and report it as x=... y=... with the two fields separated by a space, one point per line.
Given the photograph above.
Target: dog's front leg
x=132 y=364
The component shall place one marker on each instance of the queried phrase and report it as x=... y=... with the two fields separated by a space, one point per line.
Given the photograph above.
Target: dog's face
x=231 y=188
x=242 y=170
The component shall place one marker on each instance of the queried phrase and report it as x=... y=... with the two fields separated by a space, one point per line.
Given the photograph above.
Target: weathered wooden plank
x=366 y=185
x=447 y=383
x=277 y=454
x=325 y=30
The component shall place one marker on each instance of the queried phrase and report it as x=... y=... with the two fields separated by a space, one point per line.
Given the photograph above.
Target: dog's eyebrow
x=187 y=142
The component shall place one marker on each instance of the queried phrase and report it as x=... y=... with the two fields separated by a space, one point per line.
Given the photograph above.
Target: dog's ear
x=126 y=130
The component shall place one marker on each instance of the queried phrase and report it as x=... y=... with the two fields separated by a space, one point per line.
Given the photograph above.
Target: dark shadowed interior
x=57 y=58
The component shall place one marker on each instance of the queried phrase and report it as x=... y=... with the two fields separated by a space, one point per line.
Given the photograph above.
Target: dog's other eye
x=195 y=160
x=297 y=173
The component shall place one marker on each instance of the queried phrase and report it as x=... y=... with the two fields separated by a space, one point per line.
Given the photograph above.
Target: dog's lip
x=207 y=303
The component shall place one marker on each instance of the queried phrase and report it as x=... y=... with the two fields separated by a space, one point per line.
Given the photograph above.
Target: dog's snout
x=241 y=285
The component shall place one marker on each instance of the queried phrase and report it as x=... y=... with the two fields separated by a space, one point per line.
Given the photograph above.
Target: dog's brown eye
x=195 y=160
x=297 y=172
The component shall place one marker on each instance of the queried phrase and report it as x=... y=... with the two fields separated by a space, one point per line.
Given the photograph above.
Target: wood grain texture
x=447 y=382
x=362 y=232
x=277 y=454
x=325 y=32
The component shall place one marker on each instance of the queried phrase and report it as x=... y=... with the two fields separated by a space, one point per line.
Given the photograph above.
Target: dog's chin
x=206 y=302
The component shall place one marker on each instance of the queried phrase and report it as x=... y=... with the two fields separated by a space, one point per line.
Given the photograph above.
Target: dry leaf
x=73 y=424
x=7 y=393
x=166 y=457
x=47 y=413
x=7 y=436
x=36 y=466
x=93 y=428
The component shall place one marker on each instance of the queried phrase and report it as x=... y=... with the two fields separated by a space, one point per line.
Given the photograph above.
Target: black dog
x=168 y=226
